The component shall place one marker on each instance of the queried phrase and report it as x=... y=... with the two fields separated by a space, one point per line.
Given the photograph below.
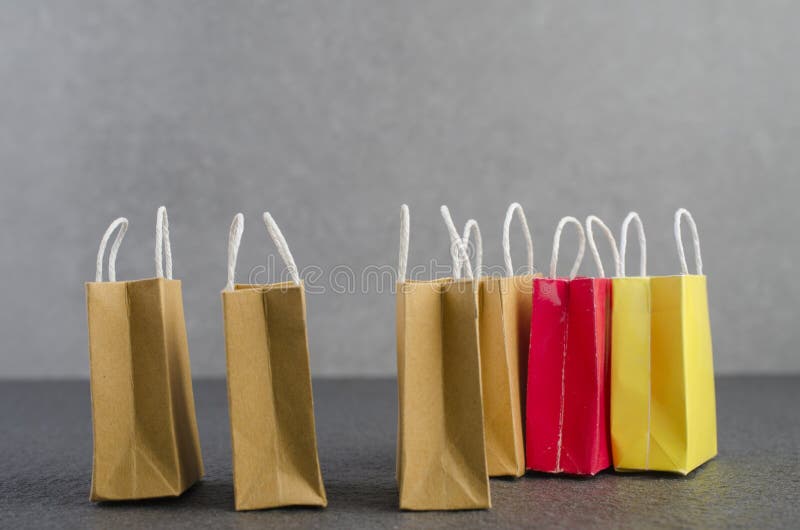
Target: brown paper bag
x=145 y=432
x=275 y=461
x=504 y=317
x=441 y=456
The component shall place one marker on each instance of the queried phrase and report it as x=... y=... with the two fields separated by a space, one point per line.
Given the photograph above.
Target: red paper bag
x=567 y=396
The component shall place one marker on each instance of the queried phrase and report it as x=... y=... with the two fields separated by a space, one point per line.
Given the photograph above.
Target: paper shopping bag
x=504 y=319
x=275 y=461
x=143 y=418
x=441 y=456
x=663 y=408
x=566 y=429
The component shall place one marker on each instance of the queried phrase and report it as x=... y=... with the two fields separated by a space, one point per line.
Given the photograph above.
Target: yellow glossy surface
x=663 y=408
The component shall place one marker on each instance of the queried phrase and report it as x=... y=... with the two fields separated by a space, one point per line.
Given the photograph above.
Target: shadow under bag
x=441 y=457
x=145 y=432
x=275 y=460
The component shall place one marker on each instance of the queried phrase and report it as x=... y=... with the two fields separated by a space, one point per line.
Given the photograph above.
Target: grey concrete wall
x=330 y=114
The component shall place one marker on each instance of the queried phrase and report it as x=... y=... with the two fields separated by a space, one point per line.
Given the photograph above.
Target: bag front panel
x=630 y=373
x=180 y=378
x=422 y=437
x=442 y=459
x=668 y=427
x=498 y=376
x=400 y=335
x=517 y=298
x=468 y=485
x=269 y=395
x=700 y=395
x=110 y=368
x=584 y=448
x=254 y=436
x=545 y=389
x=156 y=451
x=290 y=369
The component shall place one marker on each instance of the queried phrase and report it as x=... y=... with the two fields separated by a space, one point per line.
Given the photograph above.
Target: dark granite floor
x=45 y=461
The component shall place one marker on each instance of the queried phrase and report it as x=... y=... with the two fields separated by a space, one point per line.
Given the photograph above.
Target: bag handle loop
x=403 y=252
x=283 y=247
x=557 y=243
x=698 y=260
x=458 y=251
x=590 y=221
x=469 y=228
x=234 y=240
x=512 y=209
x=162 y=241
x=623 y=244
x=122 y=223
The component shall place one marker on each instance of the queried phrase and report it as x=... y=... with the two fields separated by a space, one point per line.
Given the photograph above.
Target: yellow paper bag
x=145 y=432
x=441 y=456
x=663 y=408
x=275 y=460
x=504 y=320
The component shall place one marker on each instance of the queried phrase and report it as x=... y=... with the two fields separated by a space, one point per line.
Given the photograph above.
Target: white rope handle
x=458 y=252
x=469 y=228
x=122 y=223
x=162 y=240
x=623 y=244
x=234 y=240
x=698 y=260
x=403 y=252
x=557 y=244
x=283 y=247
x=516 y=208
x=590 y=221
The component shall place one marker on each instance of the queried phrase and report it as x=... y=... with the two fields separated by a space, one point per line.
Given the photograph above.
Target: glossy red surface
x=567 y=394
